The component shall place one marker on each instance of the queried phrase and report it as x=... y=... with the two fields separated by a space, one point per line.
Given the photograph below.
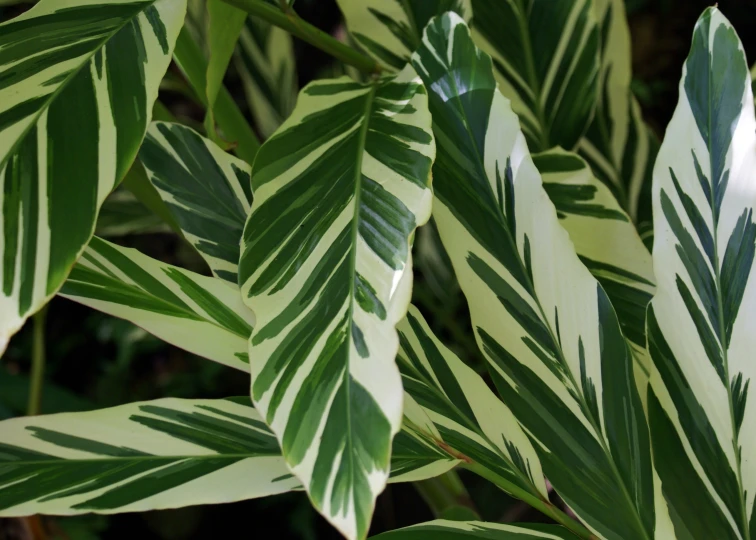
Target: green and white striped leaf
x=122 y=214
x=200 y=314
x=265 y=60
x=605 y=239
x=618 y=145
x=467 y=416
x=70 y=66
x=545 y=54
x=208 y=191
x=329 y=278
x=158 y=454
x=391 y=30
x=555 y=352
x=416 y=453
x=701 y=320
x=463 y=530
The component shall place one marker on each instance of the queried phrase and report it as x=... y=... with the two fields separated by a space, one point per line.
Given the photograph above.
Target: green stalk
x=229 y=117
x=544 y=506
x=444 y=492
x=292 y=23
x=38 y=362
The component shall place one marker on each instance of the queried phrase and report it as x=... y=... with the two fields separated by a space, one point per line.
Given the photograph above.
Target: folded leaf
x=619 y=146
x=606 y=241
x=84 y=68
x=391 y=30
x=701 y=320
x=545 y=325
x=265 y=60
x=463 y=530
x=545 y=54
x=208 y=191
x=330 y=277
x=467 y=416
x=142 y=456
x=202 y=315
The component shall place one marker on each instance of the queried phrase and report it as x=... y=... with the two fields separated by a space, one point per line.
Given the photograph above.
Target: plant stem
x=539 y=504
x=38 y=362
x=444 y=492
x=296 y=26
x=235 y=127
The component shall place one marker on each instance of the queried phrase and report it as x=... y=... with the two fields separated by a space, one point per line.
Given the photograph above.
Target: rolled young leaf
x=619 y=146
x=468 y=530
x=391 y=30
x=545 y=54
x=78 y=81
x=606 y=241
x=339 y=190
x=200 y=314
x=545 y=325
x=158 y=454
x=224 y=24
x=265 y=60
x=701 y=320
x=208 y=191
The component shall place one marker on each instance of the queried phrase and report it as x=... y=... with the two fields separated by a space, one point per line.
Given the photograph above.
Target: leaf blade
x=208 y=192
x=199 y=314
x=95 y=67
x=565 y=372
x=703 y=259
x=360 y=173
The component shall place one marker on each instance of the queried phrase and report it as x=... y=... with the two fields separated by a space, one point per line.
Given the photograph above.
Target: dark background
x=97 y=361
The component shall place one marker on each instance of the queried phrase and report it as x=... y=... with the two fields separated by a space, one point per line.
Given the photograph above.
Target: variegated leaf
x=142 y=456
x=70 y=66
x=390 y=30
x=701 y=320
x=618 y=145
x=329 y=278
x=166 y=453
x=606 y=241
x=265 y=60
x=416 y=453
x=208 y=191
x=467 y=530
x=545 y=54
x=546 y=326
x=202 y=315
x=466 y=419
x=467 y=415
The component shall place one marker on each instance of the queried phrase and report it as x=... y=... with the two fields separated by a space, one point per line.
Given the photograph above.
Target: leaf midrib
x=361 y=144
x=60 y=460
x=71 y=76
